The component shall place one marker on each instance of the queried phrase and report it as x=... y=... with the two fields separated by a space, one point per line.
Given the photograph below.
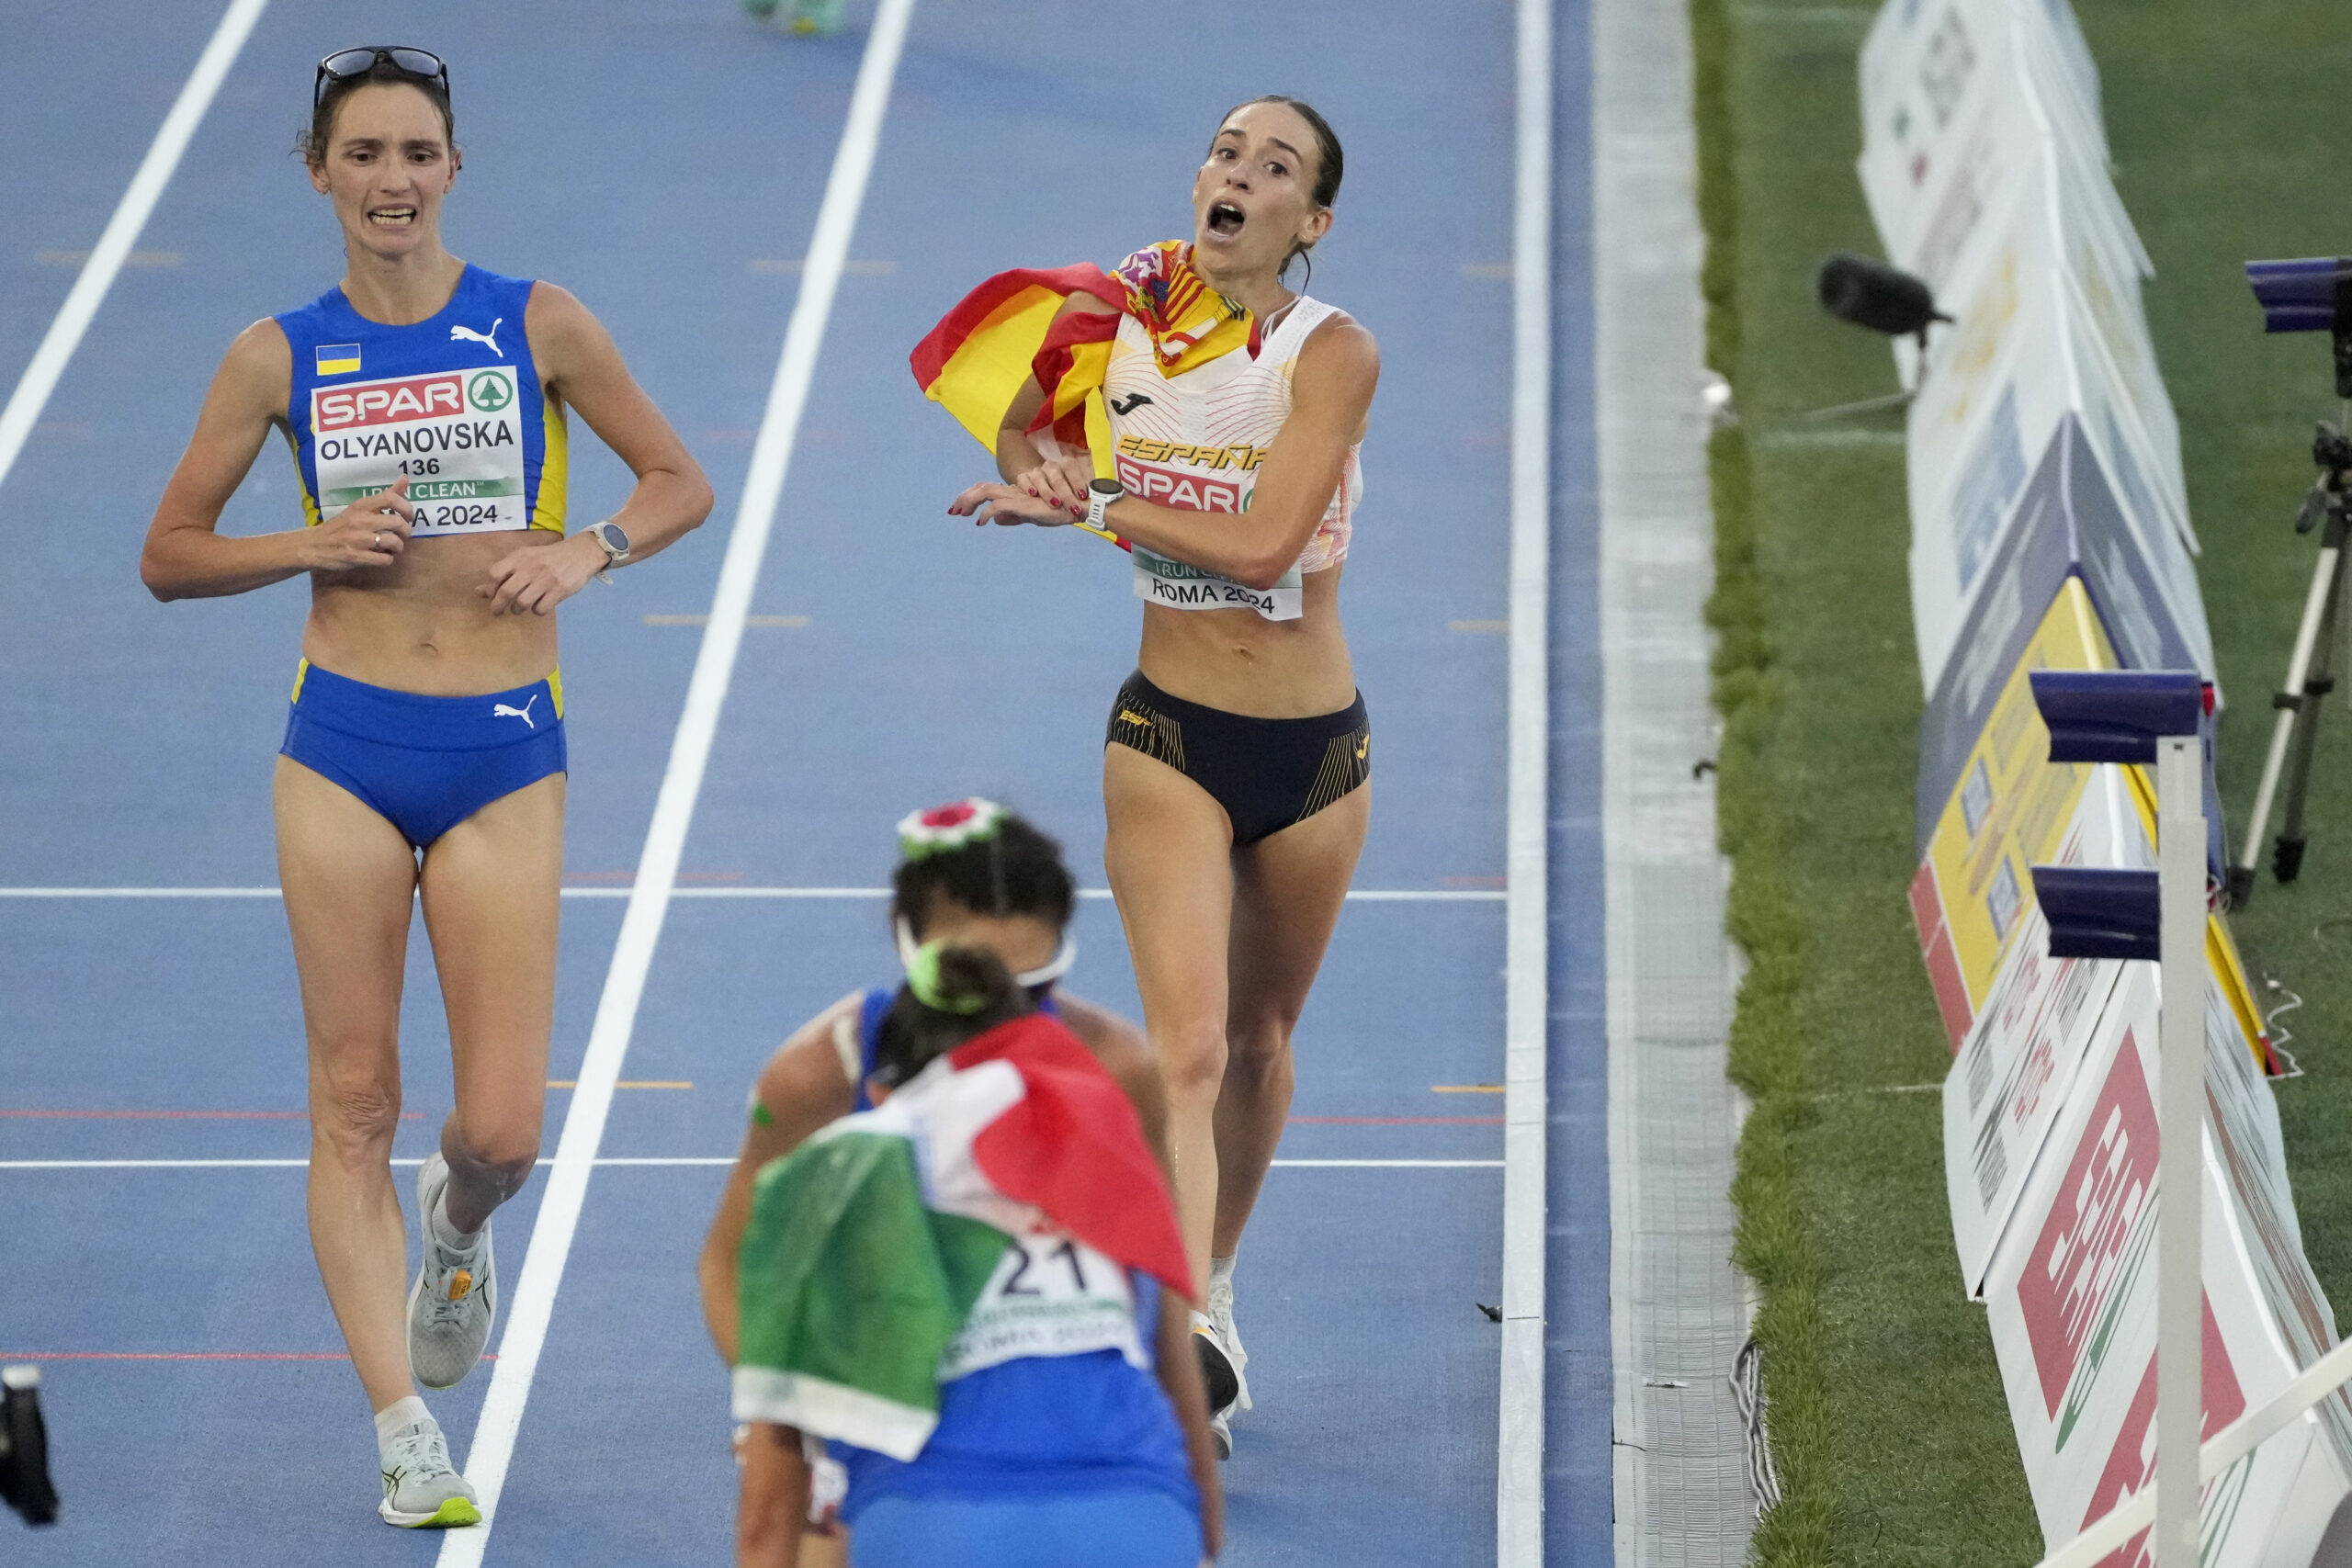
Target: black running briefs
x=1268 y=773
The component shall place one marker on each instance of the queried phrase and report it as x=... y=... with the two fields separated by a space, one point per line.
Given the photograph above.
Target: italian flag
x=868 y=1244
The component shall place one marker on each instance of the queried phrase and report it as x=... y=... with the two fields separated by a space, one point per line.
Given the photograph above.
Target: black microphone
x=1874 y=294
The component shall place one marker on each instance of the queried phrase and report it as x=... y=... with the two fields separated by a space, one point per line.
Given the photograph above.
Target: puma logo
x=1364 y=747
x=500 y=710
x=488 y=340
x=1128 y=405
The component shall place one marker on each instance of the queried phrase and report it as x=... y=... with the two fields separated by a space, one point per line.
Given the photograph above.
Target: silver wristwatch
x=614 y=543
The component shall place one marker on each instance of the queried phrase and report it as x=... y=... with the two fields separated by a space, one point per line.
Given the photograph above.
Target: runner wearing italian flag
x=970 y=874
x=960 y=1294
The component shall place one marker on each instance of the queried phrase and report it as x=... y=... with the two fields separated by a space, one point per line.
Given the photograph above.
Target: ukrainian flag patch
x=338 y=359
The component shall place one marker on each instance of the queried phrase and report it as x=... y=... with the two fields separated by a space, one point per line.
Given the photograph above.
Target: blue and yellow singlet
x=452 y=401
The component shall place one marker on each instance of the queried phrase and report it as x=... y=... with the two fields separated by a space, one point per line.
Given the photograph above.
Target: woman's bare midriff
x=1240 y=662
x=422 y=624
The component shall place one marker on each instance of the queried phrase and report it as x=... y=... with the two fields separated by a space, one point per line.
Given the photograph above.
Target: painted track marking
x=131 y=215
x=1518 y=1482
x=532 y=1302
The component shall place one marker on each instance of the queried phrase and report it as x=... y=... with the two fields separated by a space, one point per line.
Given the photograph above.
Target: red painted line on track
x=1398 y=1120
x=176 y=1115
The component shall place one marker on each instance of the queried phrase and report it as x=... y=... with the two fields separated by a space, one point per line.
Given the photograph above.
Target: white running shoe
x=421 y=1489
x=1220 y=1380
x=1221 y=1319
x=455 y=1300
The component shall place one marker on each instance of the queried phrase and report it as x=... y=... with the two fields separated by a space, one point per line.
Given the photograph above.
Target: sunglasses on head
x=346 y=63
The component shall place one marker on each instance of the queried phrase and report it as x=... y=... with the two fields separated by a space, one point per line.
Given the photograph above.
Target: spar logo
x=2133 y=1464
x=387 y=402
x=1181 y=492
x=490 y=391
x=2095 y=1242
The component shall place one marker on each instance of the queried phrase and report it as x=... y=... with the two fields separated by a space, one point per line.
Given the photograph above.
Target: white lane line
x=164 y=1164
x=1358 y=895
x=663 y=1160
x=139 y=893
x=1391 y=1164
x=667 y=1159
x=1518 y=1482
x=533 y=1301
x=131 y=214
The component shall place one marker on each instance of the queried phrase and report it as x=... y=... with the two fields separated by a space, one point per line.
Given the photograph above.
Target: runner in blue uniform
x=426 y=403
x=972 y=873
x=1070 y=1427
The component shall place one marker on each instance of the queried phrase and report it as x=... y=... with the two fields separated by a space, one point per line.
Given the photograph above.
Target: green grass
x=1888 y=1418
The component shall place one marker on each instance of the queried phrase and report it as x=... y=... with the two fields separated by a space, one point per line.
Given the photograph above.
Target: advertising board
x=2071 y=1296
x=2015 y=1067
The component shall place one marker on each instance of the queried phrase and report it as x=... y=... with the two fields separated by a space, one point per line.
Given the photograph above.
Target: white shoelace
x=417 y=1453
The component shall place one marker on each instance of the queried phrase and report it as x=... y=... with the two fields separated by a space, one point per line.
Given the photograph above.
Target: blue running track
x=664 y=161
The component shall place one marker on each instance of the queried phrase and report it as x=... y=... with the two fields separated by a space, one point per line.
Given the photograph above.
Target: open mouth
x=392 y=217
x=1225 y=219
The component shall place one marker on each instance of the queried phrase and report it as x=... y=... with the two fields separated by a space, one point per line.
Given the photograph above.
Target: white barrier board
x=2071 y=1294
x=2014 y=1071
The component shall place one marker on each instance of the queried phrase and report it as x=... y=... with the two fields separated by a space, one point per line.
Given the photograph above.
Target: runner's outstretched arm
x=799 y=1090
x=774 y=1497
x=1180 y=1374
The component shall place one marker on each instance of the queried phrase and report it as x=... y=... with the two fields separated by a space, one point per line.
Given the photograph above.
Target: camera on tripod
x=2307 y=296
x=24 y=1448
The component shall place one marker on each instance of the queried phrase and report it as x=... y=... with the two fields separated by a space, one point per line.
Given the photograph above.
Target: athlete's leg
x=492 y=897
x=1169 y=852
x=350 y=882
x=1288 y=889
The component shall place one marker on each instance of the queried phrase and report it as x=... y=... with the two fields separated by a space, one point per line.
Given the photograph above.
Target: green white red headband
x=940 y=828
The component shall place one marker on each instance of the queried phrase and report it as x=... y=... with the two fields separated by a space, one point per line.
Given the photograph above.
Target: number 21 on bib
x=1051 y=1295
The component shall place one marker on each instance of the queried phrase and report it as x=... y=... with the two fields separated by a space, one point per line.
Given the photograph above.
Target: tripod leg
x=2286 y=856
x=2289 y=700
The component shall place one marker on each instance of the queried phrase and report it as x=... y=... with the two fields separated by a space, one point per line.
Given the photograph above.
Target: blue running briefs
x=1128 y=1528
x=424 y=764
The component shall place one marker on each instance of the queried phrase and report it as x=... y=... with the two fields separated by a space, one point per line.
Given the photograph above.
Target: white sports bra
x=1193 y=442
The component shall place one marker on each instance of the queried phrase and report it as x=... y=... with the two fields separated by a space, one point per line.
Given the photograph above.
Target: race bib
x=1159 y=580
x=1051 y=1295
x=456 y=433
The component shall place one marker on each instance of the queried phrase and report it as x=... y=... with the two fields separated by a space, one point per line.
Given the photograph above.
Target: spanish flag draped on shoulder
x=973 y=362
x=870 y=1246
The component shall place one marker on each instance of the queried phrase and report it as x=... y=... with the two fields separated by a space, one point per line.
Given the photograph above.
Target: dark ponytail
x=951 y=995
